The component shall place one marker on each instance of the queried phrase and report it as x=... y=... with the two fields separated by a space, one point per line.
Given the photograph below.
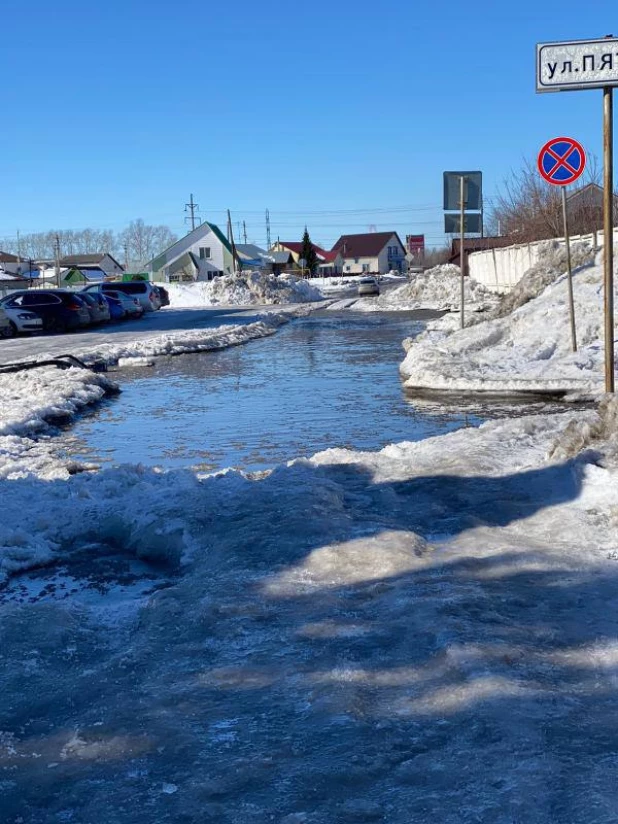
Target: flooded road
x=328 y=380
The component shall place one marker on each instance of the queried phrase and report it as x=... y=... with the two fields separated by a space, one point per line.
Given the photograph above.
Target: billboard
x=415 y=245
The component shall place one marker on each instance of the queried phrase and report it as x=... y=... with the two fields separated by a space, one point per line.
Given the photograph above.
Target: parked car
x=6 y=327
x=143 y=290
x=115 y=305
x=97 y=306
x=163 y=294
x=368 y=286
x=60 y=310
x=23 y=321
x=132 y=307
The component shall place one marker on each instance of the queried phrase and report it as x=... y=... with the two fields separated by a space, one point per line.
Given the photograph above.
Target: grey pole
x=608 y=234
x=462 y=207
x=569 y=270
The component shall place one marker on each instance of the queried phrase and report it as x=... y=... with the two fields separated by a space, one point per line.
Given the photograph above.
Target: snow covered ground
x=244 y=289
x=526 y=350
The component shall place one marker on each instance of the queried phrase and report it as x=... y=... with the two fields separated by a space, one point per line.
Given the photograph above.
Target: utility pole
x=57 y=256
x=18 y=247
x=244 y=230
x=126 y=256
x=267 y=230
x=193 y=208
x=230 y=234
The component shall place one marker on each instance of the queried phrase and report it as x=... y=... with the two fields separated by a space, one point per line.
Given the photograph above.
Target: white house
x=98 y=262
x=372 y=253
x=201 y=255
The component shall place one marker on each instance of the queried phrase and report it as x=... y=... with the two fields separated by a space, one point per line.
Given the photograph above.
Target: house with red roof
x=296 y=247
x=373 y=253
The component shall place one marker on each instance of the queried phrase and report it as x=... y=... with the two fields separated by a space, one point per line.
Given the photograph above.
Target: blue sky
x=336 y=114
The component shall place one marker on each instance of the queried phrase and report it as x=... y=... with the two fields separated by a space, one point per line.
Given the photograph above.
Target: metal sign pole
x=608 y=234
x=569 y=270
x=462 y=212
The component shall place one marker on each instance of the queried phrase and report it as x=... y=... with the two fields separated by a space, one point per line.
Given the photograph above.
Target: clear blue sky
x=120 y=109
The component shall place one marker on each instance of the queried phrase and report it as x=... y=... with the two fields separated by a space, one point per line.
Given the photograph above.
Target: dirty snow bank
x=528 y=350
x=243 y=289
x=438 y=288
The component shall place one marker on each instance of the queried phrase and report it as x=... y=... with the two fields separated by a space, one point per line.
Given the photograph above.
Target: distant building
x=371 y=253
x=477 y=244
x=99 y=262
x=201 y=255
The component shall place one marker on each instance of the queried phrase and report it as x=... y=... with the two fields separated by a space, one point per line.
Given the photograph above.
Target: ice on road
x=424 y=633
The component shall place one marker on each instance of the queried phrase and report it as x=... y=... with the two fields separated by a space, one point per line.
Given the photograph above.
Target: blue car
x=116 y=309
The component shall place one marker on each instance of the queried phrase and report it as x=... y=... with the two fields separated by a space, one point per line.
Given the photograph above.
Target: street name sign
x=561 y=161
x=473 y=186
x=577 y=64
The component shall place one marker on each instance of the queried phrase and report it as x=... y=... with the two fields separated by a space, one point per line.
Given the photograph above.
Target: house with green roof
x=201 y=255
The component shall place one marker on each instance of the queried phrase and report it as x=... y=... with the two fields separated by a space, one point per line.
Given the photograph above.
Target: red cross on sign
x=561 y=161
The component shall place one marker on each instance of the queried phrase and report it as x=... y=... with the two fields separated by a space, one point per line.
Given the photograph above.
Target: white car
x=142 y=290
x=368 y=286
x=22 y=320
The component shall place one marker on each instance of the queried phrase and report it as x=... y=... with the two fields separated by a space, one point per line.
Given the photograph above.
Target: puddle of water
x=329 y=380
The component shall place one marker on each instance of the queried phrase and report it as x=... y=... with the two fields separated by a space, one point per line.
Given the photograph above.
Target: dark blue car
x=116 y=309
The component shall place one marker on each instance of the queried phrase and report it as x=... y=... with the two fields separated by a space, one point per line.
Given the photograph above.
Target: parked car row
x=62 y=310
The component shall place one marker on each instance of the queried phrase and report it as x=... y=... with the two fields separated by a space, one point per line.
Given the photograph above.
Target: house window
x=365 y=267
x=347 y=268
x=204 y=252
x=355 y=260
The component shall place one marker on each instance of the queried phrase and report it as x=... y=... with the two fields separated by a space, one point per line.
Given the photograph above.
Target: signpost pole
x=569 y=270
x=608 y=233
x=462 y=212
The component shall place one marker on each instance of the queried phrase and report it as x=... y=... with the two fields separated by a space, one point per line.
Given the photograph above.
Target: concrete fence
x=500 y=269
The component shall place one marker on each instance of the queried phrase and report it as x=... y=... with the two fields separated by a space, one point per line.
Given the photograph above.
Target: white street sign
x=578 y=64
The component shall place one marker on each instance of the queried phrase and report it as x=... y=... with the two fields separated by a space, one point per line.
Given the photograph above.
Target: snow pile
x=527 y=351
x=243 y=289
x=183 y=342
x=437 y=288
x=551 y=264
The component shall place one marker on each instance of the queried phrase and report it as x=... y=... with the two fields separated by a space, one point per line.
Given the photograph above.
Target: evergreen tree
x=309 y=254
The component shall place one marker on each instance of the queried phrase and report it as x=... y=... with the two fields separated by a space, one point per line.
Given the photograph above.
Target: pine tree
x=308 y=253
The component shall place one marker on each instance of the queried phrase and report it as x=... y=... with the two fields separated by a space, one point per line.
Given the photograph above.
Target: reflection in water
x=329 y=380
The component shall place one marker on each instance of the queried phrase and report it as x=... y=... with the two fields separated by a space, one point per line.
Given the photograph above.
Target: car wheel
x=9 y=330
x=57 y=327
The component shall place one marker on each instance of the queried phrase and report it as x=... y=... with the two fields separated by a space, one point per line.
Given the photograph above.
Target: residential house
x=201 y=255
x=585 y=209
x=74 y=275
x=250 y=256
x=295 y=248
x=332 y=265
x=280 y=262
x=373 y=253
x=99 y=262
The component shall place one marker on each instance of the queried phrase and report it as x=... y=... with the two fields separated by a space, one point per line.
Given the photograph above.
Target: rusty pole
x=608 y=234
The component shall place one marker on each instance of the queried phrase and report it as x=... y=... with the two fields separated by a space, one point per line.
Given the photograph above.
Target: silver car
x=368 y=286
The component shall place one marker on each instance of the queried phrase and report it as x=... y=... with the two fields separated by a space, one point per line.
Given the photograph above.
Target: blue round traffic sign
x=562 y=160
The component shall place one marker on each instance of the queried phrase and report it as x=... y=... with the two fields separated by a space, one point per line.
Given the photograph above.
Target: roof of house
x=477 y=244
x=297 y=247
x=250 y=251
x=87 y=260
x=365 y=245
x=6 y=257
x=329 y=257
x=163 y=258
x=280 y=257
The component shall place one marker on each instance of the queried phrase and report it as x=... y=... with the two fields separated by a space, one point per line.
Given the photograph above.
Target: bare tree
x=530 y=209
x=142 y=240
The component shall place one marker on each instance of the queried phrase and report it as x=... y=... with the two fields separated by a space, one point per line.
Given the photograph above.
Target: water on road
x=328 y=380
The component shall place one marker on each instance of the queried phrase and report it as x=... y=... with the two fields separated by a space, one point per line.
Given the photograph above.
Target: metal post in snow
x=462 y=208
x=569 y=270
x=608 y=234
